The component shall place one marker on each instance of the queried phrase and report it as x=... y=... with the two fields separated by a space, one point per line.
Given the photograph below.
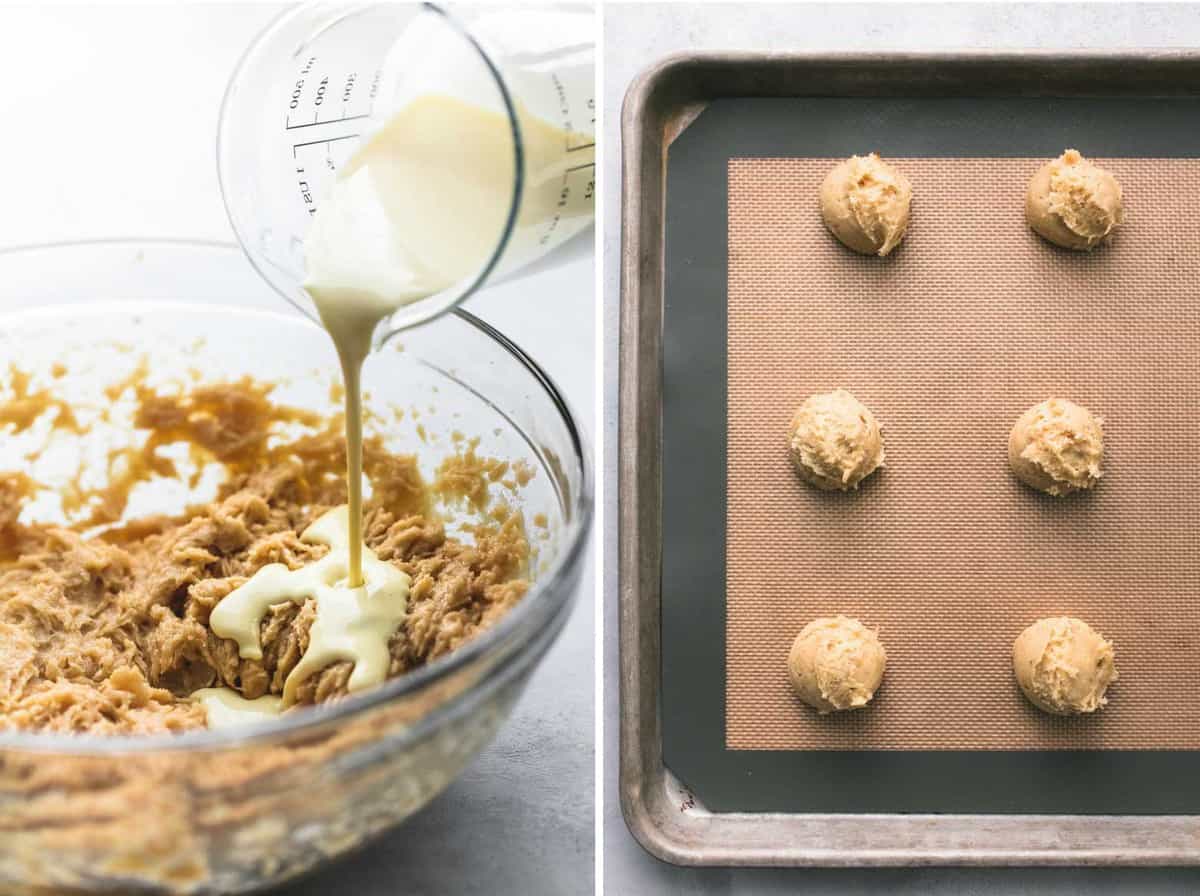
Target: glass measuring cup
x=325 y=81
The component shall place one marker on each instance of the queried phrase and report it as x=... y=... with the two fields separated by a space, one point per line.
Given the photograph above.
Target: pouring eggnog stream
x=420 y=209
x=458 y=179
x=423 y=206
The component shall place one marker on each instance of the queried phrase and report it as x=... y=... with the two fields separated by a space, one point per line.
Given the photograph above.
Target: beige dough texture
x=835 y=441
x=865 y=203
x=1073 y=203
x=1063 y=665
x=1057 y=447
x=836 y=663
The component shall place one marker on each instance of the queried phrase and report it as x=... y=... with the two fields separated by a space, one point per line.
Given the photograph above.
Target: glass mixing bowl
x=229 y=811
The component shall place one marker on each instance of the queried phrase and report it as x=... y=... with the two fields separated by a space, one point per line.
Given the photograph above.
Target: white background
x=108 y=122
x=635 y=37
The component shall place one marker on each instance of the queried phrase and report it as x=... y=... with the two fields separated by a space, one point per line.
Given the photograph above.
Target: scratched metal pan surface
x=690 y=792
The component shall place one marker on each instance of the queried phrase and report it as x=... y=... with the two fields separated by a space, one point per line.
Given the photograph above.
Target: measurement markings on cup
x=331 y=121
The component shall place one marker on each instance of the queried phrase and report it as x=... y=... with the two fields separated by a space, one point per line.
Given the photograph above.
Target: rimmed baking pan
x=735 y=304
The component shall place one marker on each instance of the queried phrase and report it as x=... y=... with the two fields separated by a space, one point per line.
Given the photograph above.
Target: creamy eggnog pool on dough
x=420 y=207
x=353 y=622
x=226 y=708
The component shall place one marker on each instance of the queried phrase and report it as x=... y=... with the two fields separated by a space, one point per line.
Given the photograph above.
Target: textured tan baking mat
x=972 y=320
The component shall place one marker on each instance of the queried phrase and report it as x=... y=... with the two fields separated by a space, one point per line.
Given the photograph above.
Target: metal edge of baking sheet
x=660 y=813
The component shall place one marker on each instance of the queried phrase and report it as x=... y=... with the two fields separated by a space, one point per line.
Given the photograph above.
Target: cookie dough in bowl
x=1057 y=447
x=1073 y=203
x=835 y=441
x=1063 y=665
x=865 y=204
x=836 y=663
x=105 y=763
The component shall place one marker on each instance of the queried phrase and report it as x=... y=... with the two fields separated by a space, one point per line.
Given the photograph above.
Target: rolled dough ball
x=1057 y=447
x=834 y=441
x=836 y=663
x=1063 y=665
x=864 y=202
x=1073 y=203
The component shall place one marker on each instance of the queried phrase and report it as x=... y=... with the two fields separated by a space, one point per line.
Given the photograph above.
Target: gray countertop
x=637 y=35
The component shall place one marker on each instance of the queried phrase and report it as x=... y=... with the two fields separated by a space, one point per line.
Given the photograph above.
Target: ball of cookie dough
x=836 y=663
x=864 y=202
x=1073 y=203
x=1063 y=665
x=834 y=441
x=1057 y=447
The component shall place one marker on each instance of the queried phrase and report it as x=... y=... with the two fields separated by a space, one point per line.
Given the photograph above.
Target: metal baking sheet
x=688 y=797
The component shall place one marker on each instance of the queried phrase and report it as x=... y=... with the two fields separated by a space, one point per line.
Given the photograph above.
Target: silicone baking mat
x=973 y=319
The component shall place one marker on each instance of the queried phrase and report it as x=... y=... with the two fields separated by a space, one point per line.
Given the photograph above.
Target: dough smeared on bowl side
x=834 y=441
x=836 y=663
x=1057 y=447
x=865 y=204
x=1063 y=665
x=1073 y=203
